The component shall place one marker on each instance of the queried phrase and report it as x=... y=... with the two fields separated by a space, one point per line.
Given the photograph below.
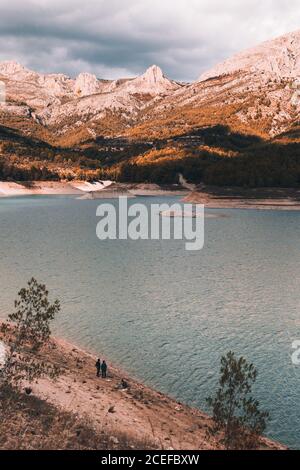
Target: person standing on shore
x=98 y=367
x=103 y=369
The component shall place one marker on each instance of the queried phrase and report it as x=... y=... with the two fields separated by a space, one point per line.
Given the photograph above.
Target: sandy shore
x=85 y=190
x=139 y=410
x=234 y=198
x=8 y=189
x=136 y=410
x=211 y=197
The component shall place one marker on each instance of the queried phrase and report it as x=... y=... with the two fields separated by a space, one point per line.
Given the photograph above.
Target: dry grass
x=27 y=422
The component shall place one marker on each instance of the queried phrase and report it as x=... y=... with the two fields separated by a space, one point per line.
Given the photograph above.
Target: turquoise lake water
x=162 y=313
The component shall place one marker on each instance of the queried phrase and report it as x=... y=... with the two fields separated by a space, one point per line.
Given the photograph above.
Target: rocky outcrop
x=86 y=84
x=277 y=58
x=152 y=82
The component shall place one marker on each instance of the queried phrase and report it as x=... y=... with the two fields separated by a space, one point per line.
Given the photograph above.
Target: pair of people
x=101 y=367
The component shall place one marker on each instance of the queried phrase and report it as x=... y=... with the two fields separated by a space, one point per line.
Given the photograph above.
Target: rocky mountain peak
x=86 y=84
x=153 y=74
x=152 y=82
x=13 y=69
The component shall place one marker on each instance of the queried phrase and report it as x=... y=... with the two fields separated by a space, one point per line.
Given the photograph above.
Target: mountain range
x=248 y=103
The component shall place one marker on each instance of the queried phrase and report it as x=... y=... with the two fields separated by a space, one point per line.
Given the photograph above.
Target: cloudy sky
x=118 y=38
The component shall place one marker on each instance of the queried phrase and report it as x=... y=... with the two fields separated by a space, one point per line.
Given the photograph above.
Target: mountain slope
x=256 y=91
x=279 y=57
x=152 y=128
x=61 y=105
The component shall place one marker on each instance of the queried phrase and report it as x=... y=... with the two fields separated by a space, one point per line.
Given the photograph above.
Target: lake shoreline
x=86 y=190
x=122 y=403
x=276 y=199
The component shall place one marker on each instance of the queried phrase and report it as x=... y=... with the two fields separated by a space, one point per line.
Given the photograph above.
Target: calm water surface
x=164 y=314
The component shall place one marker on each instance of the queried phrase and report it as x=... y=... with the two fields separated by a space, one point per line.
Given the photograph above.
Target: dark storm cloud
x=123 y=37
